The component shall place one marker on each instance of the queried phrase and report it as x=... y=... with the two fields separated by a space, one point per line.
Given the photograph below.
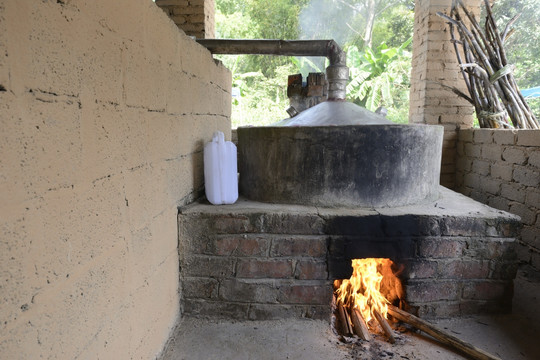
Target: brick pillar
x=194 y=17
x=434 y=61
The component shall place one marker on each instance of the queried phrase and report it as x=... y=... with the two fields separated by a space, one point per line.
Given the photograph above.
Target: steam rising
x=325 y=19
x=330 y=19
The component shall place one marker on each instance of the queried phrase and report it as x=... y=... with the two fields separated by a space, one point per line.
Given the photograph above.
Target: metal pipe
x=337 y=73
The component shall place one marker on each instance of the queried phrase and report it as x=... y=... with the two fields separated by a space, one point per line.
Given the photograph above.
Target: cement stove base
x=263 y=261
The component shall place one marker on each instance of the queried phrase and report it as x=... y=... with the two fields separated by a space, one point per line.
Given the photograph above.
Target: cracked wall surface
x=104 y=109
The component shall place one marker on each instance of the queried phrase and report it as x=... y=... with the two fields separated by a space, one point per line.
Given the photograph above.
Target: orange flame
x=372 y=286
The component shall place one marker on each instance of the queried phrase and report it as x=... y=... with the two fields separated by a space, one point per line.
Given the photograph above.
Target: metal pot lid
x=334 y=113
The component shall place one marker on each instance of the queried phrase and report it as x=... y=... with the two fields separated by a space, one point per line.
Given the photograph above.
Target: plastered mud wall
x=104 y=110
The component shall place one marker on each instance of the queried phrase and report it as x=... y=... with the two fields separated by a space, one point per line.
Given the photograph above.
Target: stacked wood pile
x=350 y=322
x=492 y=88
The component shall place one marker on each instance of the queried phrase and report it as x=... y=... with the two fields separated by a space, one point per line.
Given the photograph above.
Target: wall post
x=195 y=17
x=434 y=62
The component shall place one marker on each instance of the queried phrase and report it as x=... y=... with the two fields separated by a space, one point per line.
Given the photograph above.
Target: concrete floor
x=513 y=336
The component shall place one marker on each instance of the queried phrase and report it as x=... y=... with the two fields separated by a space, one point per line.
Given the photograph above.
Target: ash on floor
x=511 y=336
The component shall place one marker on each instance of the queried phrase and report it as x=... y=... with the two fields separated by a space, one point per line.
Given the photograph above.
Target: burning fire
x=372 y=286
x=371 y=292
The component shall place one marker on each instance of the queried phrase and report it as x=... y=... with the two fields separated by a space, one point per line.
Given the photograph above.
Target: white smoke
x=325 y=19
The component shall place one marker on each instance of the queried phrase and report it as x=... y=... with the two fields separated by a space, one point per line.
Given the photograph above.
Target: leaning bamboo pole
x=443 y=336
x=492 y=88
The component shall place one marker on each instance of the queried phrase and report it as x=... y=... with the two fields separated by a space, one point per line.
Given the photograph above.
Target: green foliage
x=277 y=19
x=395 y=28
x=262 y=100
x=380 y=77
x=255 y=19
x=308 y=64
x=523 y=46
x=347 y=21
x=261 y=80
x=328 y=19
x=234 y=25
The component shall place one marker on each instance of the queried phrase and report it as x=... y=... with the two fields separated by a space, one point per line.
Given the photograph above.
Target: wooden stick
x=440 y=335
x=507 y=31
x=348 y=320
x=346 y=328
x=498 y=39
x=360 y=326
x=385 y=326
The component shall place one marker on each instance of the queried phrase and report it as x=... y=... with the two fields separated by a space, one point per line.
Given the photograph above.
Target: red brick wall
x=244 y=263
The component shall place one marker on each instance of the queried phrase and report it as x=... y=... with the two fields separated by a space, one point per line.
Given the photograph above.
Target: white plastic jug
x=220 y=170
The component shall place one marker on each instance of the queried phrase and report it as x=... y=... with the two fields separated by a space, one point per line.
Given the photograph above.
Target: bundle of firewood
x=492 y=88
x=351 y=322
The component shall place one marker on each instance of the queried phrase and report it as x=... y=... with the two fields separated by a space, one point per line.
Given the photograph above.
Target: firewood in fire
x=365 y=295
x=360 y=326
x=346 y=328
x=385 y=326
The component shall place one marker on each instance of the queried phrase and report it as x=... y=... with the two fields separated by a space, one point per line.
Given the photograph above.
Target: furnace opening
x=361 y=302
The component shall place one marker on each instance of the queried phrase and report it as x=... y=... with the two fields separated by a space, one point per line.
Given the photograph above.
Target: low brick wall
x=261 y=261
x=501 y=168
